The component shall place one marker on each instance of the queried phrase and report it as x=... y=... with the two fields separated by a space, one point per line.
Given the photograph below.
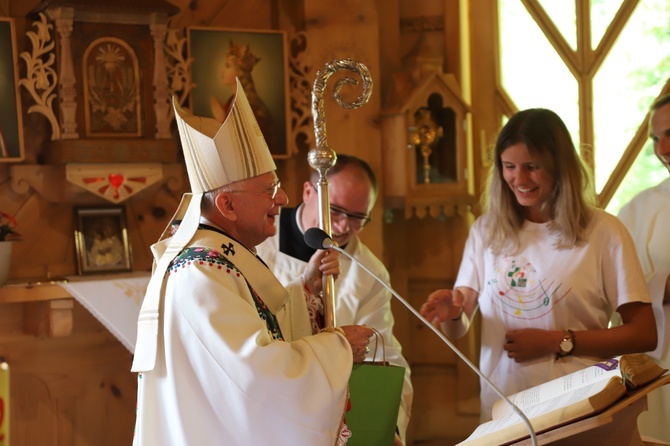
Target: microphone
x=316 y=238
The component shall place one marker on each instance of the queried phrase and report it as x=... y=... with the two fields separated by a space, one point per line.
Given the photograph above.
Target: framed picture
x=112 y=90
x=101 y=240
x=260 y=60
x=11 y=126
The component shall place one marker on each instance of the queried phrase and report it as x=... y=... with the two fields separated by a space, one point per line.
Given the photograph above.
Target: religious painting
x=101 y=240
x=111 y=89
x=11 y=126
x=259 y=59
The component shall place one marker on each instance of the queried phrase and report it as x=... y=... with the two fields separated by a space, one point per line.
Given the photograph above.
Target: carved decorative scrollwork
x=300 y=91
x=178 y=67
x=41 y=77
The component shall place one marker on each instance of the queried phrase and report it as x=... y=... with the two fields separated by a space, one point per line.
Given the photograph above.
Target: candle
x=4 y=402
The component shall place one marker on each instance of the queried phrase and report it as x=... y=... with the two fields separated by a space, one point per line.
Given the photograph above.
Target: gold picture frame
x=11 y=122
x=260 y=59
x=101 y=240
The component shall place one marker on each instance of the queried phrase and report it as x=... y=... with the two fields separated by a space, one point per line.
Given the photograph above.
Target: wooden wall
x=65 y=390
x=422 y=254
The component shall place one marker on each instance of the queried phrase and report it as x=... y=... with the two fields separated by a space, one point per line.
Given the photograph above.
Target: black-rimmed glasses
x=356 y=221
x=337 y=214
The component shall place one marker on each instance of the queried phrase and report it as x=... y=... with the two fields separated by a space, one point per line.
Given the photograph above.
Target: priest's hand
x=322 y=262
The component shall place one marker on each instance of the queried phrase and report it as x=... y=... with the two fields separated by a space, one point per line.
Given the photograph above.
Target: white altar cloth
x=114 y=300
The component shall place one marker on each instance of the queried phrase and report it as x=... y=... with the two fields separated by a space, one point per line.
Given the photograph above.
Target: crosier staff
x=322 y=157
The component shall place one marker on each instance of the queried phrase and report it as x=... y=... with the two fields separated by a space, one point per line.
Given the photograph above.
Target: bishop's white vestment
x=223 y=373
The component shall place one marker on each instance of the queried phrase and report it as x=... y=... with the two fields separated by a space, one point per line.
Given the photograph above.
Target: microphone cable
x=318 y=239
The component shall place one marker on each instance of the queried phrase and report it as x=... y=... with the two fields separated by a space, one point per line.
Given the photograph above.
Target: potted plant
x=7 y=235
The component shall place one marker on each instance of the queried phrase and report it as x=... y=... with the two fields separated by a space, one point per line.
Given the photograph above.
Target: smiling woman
x=539 y=46
x=529 y=263
x=531 y=185
x=550 y=187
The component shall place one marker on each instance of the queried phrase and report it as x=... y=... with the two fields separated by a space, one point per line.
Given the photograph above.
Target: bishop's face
x=256 y=207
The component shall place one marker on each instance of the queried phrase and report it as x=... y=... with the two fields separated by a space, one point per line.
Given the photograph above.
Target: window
x=599 y=64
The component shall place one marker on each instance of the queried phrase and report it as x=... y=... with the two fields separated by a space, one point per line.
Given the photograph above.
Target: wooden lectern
x=615 y=426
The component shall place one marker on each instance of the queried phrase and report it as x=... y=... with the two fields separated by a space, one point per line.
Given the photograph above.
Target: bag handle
x=378 y=336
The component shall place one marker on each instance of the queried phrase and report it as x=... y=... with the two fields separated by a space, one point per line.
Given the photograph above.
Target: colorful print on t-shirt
x=517 y=290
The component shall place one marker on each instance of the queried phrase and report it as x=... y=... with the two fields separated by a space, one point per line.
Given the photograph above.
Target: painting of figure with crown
x=259 y=61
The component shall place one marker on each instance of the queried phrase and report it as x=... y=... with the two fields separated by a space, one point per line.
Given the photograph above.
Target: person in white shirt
x=360 y=299
x=544 y=266
x=647 y=217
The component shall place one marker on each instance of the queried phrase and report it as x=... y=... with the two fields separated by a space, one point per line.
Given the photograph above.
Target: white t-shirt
x=542 y=287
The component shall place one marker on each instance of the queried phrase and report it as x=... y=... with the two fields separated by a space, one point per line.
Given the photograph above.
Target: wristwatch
x=567 y=345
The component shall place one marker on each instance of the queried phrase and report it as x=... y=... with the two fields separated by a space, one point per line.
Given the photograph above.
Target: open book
x=566 y=399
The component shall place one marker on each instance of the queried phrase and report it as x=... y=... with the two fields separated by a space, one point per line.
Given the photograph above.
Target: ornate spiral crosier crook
x=323 y=157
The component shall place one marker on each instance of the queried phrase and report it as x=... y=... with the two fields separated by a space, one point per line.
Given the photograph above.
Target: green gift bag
x=375 y=389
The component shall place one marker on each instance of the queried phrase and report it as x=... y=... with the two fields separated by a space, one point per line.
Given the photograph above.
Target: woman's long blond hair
x=570 y=207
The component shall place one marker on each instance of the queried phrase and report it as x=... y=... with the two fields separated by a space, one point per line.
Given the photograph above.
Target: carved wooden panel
x=75 y=390
x=111 y=76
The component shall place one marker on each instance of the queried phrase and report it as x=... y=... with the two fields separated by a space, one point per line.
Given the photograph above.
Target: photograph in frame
x=259 y=59
x=101 y=240
x=11 y=127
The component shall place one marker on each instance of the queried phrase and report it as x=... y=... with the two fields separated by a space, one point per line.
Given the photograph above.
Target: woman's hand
x=442 y=305
x=530 y=343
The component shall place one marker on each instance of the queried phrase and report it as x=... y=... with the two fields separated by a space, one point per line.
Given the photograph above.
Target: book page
x=535 y=396
x=542 y=406
x=564 y=408
x=565 y=399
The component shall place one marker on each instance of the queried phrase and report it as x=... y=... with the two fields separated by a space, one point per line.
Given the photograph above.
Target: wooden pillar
x=67 y=93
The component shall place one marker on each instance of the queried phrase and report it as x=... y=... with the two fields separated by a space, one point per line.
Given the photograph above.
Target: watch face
x=566 y=345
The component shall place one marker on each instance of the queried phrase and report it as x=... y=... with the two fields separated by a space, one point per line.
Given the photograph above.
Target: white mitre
x=216 y=155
